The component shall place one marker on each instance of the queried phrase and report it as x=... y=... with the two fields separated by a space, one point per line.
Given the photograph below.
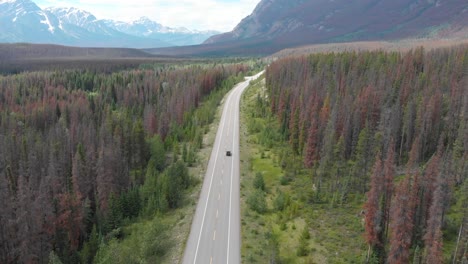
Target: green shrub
x=259 y=182
x=284 y=180
x=257 y=201
x=281 y=201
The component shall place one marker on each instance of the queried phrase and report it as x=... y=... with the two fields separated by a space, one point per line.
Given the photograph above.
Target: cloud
x=221 y=15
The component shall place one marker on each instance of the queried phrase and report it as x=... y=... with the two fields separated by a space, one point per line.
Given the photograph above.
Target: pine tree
x=433 y=237
x=363 y=158
x=389 y=174
x=373 y=214
x=434 y=250
x=115 y=215
x=401 y=224
x=259 y=182
x=311 y=150
x=90 y=247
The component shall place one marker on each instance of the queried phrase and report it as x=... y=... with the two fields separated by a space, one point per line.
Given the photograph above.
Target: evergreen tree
x=259 y=182
x=401 y=224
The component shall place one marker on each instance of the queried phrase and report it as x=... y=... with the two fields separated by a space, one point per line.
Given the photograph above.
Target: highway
x=215 y=232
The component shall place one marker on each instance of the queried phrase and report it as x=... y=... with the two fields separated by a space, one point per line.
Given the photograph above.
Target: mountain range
x=272 y=26
x=278 y=24
x=24 y=21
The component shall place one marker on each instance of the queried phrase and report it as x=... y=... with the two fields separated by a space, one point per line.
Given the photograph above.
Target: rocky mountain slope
x=278 y=24
x=295 y=22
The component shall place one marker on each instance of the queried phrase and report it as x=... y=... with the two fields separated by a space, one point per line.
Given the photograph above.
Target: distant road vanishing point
x=215 y=232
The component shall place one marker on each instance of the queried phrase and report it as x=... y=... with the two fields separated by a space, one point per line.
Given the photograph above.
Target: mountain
x=279 y=24
x=298 y=22
x=144 y=27
x=24 y=21
x=77 y=19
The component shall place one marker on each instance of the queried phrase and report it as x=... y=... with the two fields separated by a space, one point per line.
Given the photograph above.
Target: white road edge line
x=232 y=174
x=236 y=116
x=212 y=174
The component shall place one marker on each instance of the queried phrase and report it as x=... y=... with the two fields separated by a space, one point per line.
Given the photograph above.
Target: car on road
x=228 y=153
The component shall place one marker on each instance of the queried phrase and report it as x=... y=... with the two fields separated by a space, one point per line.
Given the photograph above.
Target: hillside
x=291 y=23
x=401 y=46
x=279 y=24
x=23 y=51
x=16 y=58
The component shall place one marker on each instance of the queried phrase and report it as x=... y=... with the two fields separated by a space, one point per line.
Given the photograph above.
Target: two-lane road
x=215 y=232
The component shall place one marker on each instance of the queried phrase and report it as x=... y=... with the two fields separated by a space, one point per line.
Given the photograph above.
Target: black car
x=228 y=153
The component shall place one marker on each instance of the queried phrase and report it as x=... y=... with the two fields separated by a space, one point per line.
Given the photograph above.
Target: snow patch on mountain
x=72 y=15
x=46 y=21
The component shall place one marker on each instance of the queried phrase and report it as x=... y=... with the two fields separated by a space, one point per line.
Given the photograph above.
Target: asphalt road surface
x=215 y=233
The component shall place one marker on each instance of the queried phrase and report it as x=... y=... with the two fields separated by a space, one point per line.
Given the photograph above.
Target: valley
x=314 y=131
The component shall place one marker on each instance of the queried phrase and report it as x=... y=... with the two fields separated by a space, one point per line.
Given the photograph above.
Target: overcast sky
x=221 y=15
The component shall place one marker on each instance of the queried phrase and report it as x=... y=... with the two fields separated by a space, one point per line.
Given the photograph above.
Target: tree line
x=82 y=151
x=389 y=125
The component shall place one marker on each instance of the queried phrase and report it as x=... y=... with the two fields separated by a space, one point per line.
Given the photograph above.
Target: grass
x=335 y=232
x=453 y=219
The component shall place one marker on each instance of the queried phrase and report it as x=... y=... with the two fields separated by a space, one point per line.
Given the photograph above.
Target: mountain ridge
x=278 y=24
x=340 y=20
x=25 y=21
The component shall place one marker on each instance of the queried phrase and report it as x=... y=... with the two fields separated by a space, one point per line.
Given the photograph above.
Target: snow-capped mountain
x=24 y=21
x=142 y=27
x=72 y=15
x=76 y=19
x=145 y=27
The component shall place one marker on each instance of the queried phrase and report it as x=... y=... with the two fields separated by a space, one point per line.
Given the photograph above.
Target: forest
x=83 y=152
x=389 y=127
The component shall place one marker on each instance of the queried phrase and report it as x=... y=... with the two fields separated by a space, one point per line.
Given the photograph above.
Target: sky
x=220 y=15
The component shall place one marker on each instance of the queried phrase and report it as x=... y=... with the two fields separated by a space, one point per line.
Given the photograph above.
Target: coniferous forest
x=83 y=151
x=392 y=127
